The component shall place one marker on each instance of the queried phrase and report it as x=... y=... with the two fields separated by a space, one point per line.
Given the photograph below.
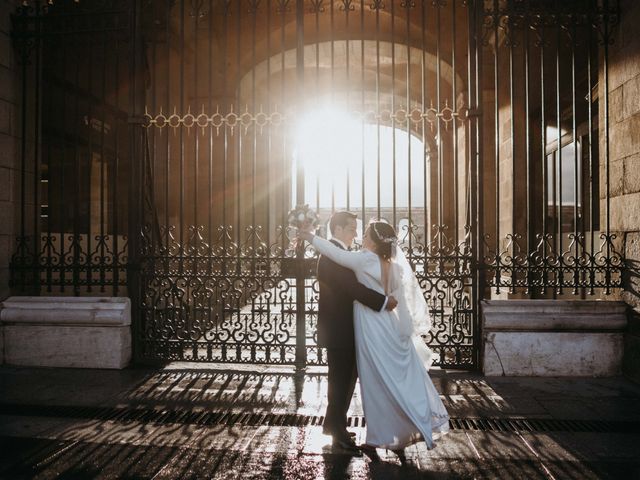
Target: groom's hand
x=391 y=303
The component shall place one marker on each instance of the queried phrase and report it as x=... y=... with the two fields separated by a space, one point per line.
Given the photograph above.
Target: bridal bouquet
x=302 y=217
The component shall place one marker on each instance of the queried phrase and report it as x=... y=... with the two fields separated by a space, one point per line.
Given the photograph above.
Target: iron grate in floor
x=225 y=417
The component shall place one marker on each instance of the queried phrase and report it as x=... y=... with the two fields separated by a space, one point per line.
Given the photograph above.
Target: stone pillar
x=624 y=171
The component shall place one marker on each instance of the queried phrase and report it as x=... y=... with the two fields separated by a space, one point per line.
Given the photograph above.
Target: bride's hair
x=384 y=236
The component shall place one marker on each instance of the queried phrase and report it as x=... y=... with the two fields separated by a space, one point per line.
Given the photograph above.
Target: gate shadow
x=242 y=390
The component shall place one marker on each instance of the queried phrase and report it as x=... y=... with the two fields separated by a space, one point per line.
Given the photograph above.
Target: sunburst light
x=340 y=155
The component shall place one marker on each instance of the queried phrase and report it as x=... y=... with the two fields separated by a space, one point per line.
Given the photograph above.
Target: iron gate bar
x=576 y=185
x=510 y=43
x=333 y=87
x=422 y=129
x=543 y=146
x=605 y=67
x=557 y=172
x=346 y=7
x=593 y=199
x=363 y=169
x=393 y=118
x=377 y=6
x=301 y=335
x=454 y=94
x=527 y=128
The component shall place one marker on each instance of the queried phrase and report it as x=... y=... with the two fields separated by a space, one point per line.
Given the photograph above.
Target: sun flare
x=340 y=155
x=328 y=143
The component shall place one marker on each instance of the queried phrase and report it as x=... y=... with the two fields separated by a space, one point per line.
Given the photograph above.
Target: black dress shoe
x=371 y=452
x=333 y=432
x=347 y=445
x=401 y=456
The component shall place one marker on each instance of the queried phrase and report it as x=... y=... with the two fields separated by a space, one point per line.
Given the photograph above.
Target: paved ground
x=197 y=421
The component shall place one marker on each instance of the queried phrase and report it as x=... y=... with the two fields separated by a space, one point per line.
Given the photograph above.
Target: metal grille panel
x=248 y=419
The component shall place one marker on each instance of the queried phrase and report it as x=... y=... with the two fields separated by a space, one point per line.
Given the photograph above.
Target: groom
x=338 y=289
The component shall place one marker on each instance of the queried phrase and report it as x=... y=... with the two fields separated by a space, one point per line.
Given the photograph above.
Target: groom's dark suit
x=338 y=289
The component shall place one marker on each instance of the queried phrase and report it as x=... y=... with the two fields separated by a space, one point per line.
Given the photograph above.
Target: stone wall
x=624 y=144
x=9 y=144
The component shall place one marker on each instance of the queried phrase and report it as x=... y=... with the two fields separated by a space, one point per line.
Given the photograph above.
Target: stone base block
x=631 y=362
x=67 y=332
x=631 y=367
x=540 y=354
x=553 y=338
x=68 y=346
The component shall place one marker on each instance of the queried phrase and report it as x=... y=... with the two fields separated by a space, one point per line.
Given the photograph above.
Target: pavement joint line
x=58 y=452
x=532 y=450
x=167 y=414
x=475 y=450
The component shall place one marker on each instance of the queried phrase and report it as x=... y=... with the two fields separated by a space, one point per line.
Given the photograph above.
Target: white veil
x=412 y=312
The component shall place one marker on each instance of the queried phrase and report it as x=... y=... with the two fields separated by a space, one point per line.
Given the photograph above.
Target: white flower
x=301 y=217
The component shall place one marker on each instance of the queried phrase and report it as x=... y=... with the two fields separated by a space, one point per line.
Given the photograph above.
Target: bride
x=400 y=403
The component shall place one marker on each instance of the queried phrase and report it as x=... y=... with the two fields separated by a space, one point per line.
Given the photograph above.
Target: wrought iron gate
x=254 y=107
x=195 y=125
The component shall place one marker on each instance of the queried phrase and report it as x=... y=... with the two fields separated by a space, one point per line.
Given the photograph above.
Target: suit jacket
x=339 y=287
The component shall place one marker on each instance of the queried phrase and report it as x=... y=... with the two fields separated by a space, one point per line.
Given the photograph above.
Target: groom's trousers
x=342 y=382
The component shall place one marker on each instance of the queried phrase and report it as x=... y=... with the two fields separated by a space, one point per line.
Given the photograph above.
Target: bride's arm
x=351 y=260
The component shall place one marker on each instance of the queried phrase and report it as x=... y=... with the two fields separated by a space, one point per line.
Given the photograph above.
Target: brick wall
x=624 y=128
x=9 y=144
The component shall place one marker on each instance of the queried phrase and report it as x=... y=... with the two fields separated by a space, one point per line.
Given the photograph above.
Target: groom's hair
x=340 y=219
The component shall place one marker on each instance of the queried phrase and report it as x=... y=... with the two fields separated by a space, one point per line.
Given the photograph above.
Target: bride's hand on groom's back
x=391 y=303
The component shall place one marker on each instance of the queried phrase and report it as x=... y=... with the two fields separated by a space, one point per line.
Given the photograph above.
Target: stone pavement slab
x=128 y=425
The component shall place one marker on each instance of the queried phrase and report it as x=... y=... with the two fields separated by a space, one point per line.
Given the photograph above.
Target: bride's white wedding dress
x=401 y=405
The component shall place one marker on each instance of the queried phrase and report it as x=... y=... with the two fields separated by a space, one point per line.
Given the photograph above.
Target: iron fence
x=164 y=142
